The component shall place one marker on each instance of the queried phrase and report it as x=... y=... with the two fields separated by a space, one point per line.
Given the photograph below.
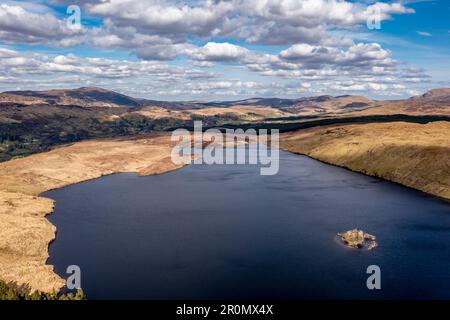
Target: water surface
x=224 y=231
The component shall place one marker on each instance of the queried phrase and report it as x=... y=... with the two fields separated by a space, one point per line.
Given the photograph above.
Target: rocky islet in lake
x=358 y=239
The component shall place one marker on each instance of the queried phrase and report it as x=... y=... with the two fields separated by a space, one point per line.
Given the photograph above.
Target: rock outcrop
x=358 y=239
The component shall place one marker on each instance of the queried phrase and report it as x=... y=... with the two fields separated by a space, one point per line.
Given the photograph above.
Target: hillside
x=415 y=155
x=302 y=106
x=25 y=233
x=85 y=96
x=34 y=121
x=434 y=102
x=99 y=97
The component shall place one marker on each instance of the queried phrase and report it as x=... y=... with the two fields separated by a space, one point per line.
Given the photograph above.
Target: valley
x=36 y=121
x=46 y=145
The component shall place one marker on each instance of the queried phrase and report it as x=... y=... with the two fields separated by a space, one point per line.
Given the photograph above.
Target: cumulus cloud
x=14 y=63
x=300 y=58
x=17 y=24
x=150 y=79
x=154 y=79
x=214 y=51
x=253 y=21
x=162 y=17
x=156 y=29
x=318 y=51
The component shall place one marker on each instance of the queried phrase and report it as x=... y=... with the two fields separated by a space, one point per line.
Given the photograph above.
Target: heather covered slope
x=415 y=155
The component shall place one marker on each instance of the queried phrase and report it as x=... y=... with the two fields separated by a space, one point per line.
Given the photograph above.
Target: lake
x=226 y=232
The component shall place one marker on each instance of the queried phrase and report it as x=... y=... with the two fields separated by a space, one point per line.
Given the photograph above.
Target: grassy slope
x=415 y=155
x=25 y=233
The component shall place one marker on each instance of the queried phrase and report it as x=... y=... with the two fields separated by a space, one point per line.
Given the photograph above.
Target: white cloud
x=423 y=33
x=252 y=21
x=161 y=30
x=214 y=51
x=318 y=53
x=310 y=13
x=14 y=63
x=161 y=17
x=19 y=25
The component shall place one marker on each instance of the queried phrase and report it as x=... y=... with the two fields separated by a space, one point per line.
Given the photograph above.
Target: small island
x=358 y=239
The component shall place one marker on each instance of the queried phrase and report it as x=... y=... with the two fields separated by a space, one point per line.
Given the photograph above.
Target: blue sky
x=423 y=38
x=222 y=50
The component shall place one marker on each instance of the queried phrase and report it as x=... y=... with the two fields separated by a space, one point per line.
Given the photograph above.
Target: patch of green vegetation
x=40 y=132
x=11 y=292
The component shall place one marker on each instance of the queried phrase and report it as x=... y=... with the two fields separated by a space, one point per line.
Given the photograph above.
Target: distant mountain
x=90 y=97
x=329 y=104
x=306 y=105
x=33 y=121
x=85 y=97
x=434 y=102
x=440 y=96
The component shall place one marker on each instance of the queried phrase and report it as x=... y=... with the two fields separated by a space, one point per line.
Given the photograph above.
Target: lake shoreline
x=403 y=156
x=26 y=231
x=428 y=194
x=202 y=245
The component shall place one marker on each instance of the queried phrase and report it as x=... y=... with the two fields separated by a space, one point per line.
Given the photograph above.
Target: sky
x=227 y=49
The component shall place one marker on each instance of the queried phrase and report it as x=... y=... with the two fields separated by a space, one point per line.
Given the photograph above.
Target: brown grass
x=25 y=233
x=414 y=155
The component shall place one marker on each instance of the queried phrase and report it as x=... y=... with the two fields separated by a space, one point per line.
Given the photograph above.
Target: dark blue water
x=224 y=231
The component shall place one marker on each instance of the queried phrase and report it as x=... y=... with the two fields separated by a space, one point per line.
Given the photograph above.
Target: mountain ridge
x=88 y=97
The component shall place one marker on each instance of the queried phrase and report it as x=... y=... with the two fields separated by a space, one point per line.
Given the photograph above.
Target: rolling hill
x=434 y=102
x=85 y=97
x=33 y=121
